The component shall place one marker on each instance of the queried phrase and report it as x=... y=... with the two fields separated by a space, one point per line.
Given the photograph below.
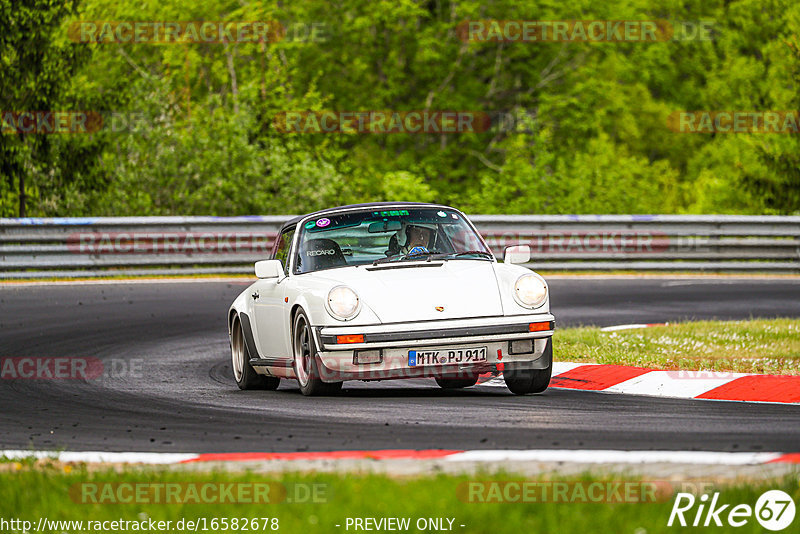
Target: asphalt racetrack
x=169 y=387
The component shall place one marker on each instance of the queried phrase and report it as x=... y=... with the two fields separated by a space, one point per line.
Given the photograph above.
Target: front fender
x=312 y=300
x=507 y=276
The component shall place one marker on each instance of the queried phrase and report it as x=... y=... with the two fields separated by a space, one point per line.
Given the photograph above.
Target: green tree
x=578 y=127
x=35 y=68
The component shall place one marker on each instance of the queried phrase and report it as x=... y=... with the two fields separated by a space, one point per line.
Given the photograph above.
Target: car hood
x=401 y=292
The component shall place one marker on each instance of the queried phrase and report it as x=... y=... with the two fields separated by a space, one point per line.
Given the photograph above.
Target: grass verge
x=319 y=502
x=770 y=346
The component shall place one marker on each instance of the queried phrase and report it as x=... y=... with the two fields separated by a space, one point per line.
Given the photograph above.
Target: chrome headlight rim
x=537 y=303
x=332 y=313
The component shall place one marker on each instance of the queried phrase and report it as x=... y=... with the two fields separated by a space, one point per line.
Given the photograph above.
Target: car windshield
x=382 y=236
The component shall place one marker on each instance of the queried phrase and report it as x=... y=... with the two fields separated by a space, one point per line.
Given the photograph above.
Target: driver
x=417 y=237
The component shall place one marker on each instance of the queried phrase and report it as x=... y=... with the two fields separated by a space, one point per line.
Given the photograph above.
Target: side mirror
x=517 y=254
x=269 y=269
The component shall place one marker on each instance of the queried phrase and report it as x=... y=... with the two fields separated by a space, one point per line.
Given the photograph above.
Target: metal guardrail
x=129 y=246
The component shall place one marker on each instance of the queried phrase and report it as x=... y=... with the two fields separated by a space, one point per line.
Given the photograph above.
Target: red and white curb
x=474 y=456
x=706 y=385
x=674 y=384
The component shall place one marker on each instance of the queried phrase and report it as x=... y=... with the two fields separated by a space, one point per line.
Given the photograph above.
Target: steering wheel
x=417 y=251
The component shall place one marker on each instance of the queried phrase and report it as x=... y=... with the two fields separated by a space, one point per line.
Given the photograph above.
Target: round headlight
x=343 y=303
x=530 y=290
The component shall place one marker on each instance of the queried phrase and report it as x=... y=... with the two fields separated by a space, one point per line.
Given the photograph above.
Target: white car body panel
x=270 y=328
x=464 y=288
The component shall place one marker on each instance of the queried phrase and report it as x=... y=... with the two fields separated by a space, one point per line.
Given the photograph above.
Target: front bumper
x=506 y=339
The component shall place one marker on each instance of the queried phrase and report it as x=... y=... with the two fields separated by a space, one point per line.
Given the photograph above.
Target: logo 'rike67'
x=774 y=511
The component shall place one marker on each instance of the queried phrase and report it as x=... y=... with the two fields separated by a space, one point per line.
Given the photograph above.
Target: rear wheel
x=244 y=374
x=306 y=366
x=522 y=381
x=456 y=382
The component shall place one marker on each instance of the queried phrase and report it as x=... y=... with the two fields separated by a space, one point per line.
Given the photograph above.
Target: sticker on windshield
x=322 y=223
x=441 y=214
x=417 y=250
x=310 y=224
x=454 y=216
x=390 y=213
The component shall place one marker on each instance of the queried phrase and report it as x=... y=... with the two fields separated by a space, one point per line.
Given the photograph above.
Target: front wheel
x=306 y=366
x=522 y=381
x=244 y=374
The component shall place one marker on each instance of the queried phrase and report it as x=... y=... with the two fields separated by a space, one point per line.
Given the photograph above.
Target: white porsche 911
x=390 y=290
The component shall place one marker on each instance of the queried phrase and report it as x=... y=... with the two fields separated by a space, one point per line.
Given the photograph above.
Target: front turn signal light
x=350 y=338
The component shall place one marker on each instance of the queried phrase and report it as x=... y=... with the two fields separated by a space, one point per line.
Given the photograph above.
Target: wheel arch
x=297 y=307
x=292 y=314
x=232 y=316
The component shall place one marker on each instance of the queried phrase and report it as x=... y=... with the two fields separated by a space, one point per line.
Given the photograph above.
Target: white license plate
x=417 y=358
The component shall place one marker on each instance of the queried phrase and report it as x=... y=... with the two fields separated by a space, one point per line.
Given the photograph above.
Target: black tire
x=306 y=366
x=522 y=381
x=446 y=382
x=244 y=374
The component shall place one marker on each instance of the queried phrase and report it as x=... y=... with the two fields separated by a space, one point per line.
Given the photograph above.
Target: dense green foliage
x=589 y=132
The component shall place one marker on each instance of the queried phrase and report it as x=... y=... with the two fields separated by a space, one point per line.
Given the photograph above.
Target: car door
x=271 y=312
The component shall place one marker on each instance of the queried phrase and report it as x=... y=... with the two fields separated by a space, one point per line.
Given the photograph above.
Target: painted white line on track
x=559 y=368
x=476 y=456
x=100 y=456
x=618 y=327
x=616 y=457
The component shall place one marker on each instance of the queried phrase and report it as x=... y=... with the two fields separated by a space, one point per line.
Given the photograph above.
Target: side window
x=282 y=250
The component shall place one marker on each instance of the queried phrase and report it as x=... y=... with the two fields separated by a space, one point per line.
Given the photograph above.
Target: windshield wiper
x=432 y=256
x=475 y=252
x=414 y=257
x=387 y=259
